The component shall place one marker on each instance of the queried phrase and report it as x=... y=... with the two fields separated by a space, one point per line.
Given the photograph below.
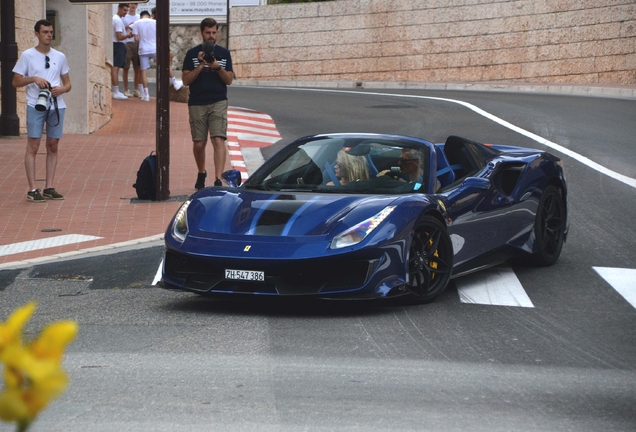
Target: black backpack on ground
x=146 y=178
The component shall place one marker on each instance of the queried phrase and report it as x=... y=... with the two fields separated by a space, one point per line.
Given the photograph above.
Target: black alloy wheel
x=549 y=227
x=430 y=261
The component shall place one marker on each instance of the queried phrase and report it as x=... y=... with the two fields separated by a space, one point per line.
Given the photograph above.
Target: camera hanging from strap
x=57 y=112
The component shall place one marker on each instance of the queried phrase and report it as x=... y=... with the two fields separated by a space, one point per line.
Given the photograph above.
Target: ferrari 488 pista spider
x=365 y=216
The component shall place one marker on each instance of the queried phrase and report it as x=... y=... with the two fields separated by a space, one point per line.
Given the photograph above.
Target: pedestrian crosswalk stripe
x=495 y=286
x=45 y=243
x=248 y=129
x=623 y=280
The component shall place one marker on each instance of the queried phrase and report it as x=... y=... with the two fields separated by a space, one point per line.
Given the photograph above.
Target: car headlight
x=180 y=223
x=359 y=232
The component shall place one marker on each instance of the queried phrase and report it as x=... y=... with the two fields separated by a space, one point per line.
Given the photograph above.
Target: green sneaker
x=51 y=194
x=35 y=196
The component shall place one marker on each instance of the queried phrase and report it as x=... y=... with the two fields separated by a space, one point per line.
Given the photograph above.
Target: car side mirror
x=232 y=177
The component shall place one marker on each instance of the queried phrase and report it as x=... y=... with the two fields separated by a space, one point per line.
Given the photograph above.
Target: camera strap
x=57 y=111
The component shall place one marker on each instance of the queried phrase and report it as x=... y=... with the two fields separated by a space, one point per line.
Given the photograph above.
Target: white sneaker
x=128 y=93
x=137 y=94
x=145 y=98
x=177 y=84
x=119 y=95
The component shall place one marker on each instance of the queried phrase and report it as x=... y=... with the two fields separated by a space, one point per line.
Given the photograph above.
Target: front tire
x=549 y=228
x=430 y=261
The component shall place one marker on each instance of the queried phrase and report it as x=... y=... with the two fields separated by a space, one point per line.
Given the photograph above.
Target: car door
x=478 y=215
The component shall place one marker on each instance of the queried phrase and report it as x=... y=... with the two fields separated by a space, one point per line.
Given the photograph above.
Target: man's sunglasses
x=47 y=61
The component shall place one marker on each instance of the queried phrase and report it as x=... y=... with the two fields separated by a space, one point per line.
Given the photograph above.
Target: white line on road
x=45 y=243
x=157 y=278
x=498 y=286
x=622 y=280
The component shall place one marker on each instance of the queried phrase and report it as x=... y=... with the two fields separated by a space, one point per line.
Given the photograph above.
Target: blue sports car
x=363 y=216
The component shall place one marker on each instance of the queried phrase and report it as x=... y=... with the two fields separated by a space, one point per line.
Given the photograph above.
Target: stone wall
x=183 y=37
x=547 y=41
x=25 y=13
x=98 y=90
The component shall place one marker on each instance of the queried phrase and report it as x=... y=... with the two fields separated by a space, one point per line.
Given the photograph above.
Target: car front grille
x=281 y=277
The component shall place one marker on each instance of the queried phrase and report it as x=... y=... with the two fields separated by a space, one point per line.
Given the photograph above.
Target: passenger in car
x=349 y=168
x=410 y=163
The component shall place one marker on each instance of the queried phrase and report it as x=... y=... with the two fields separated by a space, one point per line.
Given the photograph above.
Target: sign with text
x=200 y=8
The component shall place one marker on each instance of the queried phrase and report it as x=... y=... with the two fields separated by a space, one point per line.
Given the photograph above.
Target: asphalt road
x=154 y=360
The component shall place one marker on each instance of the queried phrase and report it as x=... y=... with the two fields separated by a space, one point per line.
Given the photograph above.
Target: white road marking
x=254 y=137
x=157 y=278
x=235 y=127
x=622 y=280
x=498 y=286
x=45 y=243
x=248 y=129
x=249 y=113
x=584 y=160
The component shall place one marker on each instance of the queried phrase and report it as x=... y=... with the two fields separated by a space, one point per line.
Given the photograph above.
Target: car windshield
x=358 y=164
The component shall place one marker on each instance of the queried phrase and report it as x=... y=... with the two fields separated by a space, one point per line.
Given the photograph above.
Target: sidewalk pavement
x=95 y=173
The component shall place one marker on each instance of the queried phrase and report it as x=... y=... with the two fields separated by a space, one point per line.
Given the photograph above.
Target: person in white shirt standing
x=145 y=32
x=132 y=54
x=120 y=34
x=43 y=69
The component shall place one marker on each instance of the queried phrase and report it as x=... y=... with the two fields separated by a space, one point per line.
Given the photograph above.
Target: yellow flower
x=10 y=332
x=32 y=373
x=31 y=384
x=53 y=340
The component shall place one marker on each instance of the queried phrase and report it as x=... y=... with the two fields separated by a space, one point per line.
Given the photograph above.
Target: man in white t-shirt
x=43 y=68
x=120 y=34
x=145 y=31
x=132 y=54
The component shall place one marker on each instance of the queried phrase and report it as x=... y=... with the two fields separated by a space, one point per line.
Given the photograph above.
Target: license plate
x=245 y=275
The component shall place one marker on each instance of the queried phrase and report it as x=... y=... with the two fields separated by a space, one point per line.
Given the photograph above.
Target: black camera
x=208 y=49
x=43 y=99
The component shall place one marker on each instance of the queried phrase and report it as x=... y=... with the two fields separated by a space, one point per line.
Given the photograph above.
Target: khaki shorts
x=132 y=55
x=210 y=119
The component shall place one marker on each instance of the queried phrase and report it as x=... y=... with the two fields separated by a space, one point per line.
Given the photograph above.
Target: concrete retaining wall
x=545 y=41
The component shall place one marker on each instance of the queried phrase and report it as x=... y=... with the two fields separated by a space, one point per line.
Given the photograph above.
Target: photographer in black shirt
x=207 y=69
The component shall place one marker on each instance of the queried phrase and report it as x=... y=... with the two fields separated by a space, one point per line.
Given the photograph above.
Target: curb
x=146 y=242
x=608 y=91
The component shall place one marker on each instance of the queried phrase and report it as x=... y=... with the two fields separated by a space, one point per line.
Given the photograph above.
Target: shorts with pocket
x=132 y=55
x=208 y=119
x=36 y=120
x=144 y=60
